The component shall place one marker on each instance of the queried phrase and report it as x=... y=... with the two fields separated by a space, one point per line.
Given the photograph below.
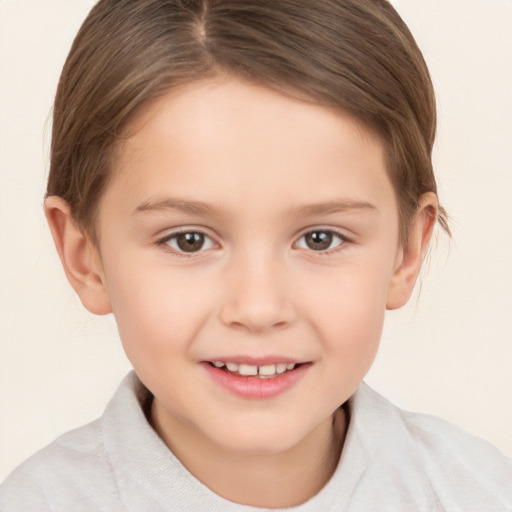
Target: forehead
x=227 y=140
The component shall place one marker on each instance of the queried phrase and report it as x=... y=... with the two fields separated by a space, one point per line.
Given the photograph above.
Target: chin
x=259 y=437
x=258 y=445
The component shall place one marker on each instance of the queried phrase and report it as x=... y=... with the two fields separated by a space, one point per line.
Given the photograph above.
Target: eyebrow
x=200 y=208
x=181 y=205
x=329 y=207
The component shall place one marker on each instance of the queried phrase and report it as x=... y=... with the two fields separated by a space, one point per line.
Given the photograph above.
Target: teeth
x=246 y=369
x=281 y=368
x=265 y=371
x=269 y=369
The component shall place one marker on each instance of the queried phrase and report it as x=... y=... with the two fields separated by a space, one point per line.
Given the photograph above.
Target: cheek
x=350 y=307
x=350 y=328
x=157 y=310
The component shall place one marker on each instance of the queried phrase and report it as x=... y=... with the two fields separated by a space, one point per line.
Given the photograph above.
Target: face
x=244 y=233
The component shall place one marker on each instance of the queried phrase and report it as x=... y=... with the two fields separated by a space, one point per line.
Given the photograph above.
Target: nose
x=258 y=295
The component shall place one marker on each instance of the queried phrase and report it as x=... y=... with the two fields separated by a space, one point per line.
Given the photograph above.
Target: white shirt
x=392 y=460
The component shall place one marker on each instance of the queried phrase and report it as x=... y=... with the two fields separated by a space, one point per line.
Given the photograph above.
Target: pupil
x=319 y=240
x=190 y=242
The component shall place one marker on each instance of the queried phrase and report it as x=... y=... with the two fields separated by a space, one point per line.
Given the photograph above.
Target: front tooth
x=281 y=367
x=218 y=364
x=247 y=369
x=269 y=369
x=290 y=366
x=232 y=367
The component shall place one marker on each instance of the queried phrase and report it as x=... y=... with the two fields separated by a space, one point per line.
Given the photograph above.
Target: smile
x=256 y=381
x=267 y=371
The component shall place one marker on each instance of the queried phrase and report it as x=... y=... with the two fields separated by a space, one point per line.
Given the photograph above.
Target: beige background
x=448 y=353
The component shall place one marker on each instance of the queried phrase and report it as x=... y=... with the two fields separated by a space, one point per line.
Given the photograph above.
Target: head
x=290 y=142
x=354 y=56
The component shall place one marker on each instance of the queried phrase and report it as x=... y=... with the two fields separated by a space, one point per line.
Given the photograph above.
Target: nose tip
x=257 y=302
x=255 y=320
x=255 y=324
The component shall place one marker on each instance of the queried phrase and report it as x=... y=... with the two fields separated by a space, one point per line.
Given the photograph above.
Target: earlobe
x=412 y=254
x=78 y=256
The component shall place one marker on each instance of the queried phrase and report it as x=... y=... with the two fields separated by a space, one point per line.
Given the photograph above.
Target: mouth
x=249 y=380
x=267 y=371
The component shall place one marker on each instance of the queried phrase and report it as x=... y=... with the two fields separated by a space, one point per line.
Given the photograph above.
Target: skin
x=262 y=162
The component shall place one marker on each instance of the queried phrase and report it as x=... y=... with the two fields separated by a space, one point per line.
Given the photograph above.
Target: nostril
x=257 y=312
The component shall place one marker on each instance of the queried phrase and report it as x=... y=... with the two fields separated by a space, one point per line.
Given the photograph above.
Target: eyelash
x=164 y=242
x=326 y=252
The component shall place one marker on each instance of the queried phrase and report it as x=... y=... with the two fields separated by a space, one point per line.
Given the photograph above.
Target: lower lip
x=253 y=387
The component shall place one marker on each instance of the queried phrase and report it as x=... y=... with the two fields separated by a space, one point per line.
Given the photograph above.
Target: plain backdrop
x=449 y=352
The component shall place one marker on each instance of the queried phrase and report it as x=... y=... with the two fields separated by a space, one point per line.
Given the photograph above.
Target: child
x=248 y=186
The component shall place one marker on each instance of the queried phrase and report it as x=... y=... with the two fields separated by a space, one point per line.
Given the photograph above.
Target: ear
x=78 y=255
x=410 y=256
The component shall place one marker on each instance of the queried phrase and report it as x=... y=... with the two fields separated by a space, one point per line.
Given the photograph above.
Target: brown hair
x=357 y=55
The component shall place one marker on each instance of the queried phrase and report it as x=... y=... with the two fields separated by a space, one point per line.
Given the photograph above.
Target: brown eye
x=320 y=240
x=191 y=241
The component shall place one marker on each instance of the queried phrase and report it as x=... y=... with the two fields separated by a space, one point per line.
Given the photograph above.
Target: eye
x=320 y=240
x=188 y=241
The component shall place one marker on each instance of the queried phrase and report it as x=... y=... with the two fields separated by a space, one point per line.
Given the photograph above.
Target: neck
x=276 y=480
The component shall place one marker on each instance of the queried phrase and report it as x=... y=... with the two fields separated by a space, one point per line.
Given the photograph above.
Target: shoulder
x=81 y=470
x=458 y=462
x=463 y=471
x=71 y=470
